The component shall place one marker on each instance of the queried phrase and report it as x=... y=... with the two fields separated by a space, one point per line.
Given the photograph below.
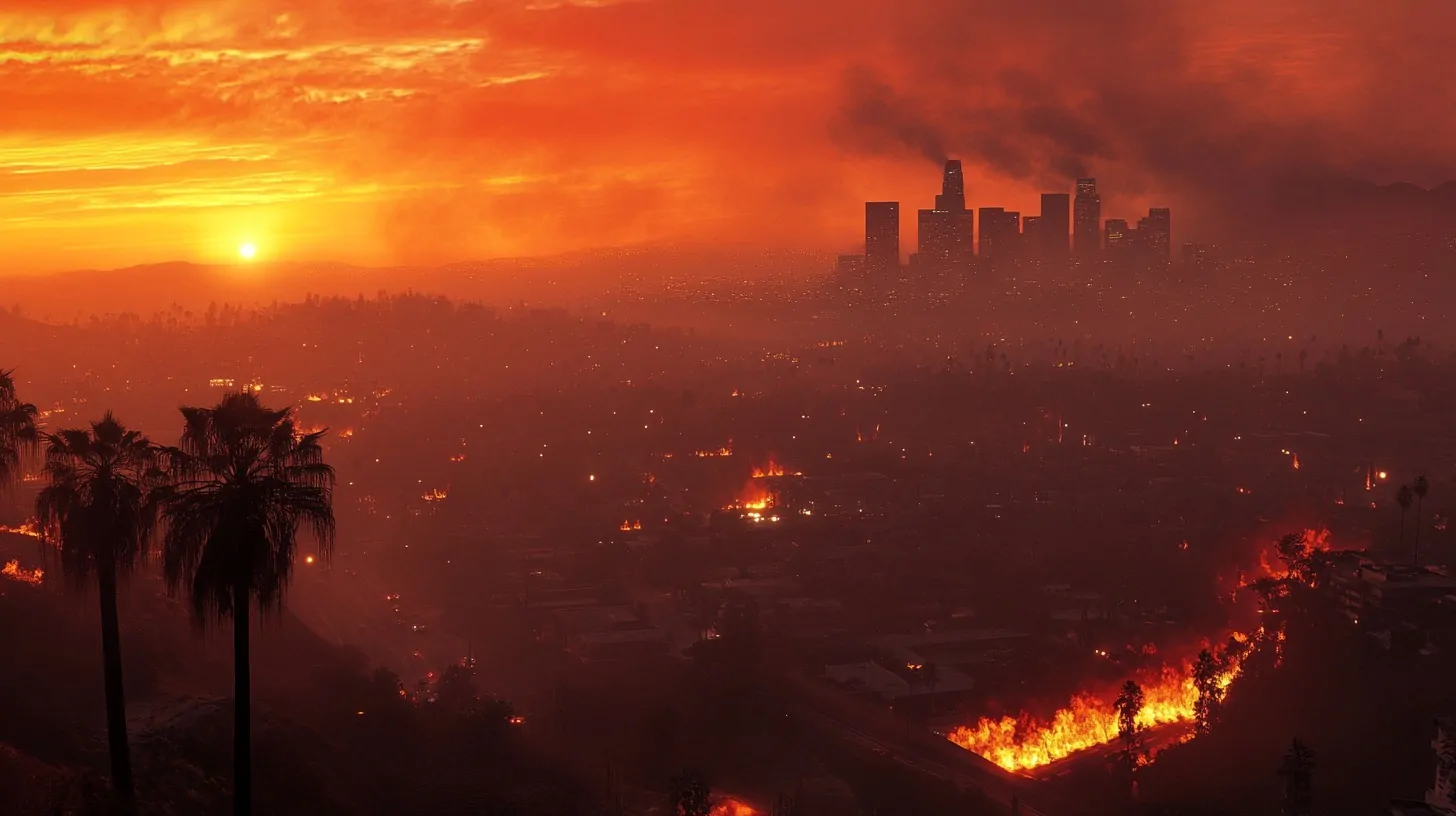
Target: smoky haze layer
x=1233 y=109
x=423 y=133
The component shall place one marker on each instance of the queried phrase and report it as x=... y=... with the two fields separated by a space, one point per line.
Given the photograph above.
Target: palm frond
x=243 y=485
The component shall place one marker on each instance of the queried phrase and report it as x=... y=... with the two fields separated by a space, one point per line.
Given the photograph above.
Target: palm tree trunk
x=1416 y=555
x=1402 y=527
x=242 y=706
x=120 y=749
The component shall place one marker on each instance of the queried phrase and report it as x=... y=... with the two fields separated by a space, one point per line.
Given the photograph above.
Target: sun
x=247 y=251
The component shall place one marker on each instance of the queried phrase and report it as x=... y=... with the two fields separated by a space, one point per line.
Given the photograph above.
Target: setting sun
x=247 y=251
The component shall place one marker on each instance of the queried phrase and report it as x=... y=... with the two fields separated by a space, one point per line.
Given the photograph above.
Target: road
x=925 y=752
x=997 y=790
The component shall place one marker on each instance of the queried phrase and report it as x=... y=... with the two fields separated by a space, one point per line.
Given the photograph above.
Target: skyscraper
x=882 y=235
x=1086 y=216
x=1118 y=239
x=1000 y=233
x=1055 y=224
x=1156 y=234
x=947 y=233
x=1032 y=245
x=952 y=196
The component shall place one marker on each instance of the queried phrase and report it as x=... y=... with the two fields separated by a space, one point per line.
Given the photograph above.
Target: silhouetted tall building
x=1000 y=233
x=952 y=196
x=1030 y=243
x=1117 y=239
x=1086 y=218
x=882 y=235
x=1155 y=235
x=947 y=233
x=1055 y=225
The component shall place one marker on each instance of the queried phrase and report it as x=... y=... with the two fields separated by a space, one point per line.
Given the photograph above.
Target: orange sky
x=404 y=131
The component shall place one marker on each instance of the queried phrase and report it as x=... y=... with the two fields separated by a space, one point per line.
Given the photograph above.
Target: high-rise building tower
x=1055 y=225
x=882 y=235
x=1086 y=217
x=947 y=233
x=1155 y=235
x=1117 y=238
x=952 y=196
x=1000 y=233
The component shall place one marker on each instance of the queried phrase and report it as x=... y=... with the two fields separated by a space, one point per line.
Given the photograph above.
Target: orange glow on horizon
x=151 y=130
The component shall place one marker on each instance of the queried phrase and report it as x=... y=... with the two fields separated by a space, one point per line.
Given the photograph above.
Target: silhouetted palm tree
x=1421 y=486
x=1129 y=705
x=98 y=509
x=245 y=481
x=1403 y=498
x=17 y=430
x=1297 y=768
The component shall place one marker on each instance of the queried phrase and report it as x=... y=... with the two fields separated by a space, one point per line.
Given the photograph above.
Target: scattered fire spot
x=15 y=572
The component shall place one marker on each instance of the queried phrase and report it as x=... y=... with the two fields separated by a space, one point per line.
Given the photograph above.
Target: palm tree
x=245 y=480
x=98 y=509
x=18 y=433
x=1403 y=498
x=1297 y=768
x=1421 y=486
x=1129 y=705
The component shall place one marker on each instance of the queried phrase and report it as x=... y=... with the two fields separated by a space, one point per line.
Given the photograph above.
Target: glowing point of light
x=1382 y=475
x=247 y=251
x=308 y=559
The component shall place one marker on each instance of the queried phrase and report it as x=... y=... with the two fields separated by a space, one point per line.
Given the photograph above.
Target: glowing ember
x=27 y=529
x=459 y=457
x=435 y=495
x=1022 y=743
x=726 y=450
x=15 y=572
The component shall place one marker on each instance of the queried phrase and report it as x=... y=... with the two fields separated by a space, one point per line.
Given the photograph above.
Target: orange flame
x=1022 y=743
x=436 y=495
x=733 y=807
x=1271 y=567
x=29 y=528
x=14 y=572
x=629 y=526
x=726 y=450
x=772 y=469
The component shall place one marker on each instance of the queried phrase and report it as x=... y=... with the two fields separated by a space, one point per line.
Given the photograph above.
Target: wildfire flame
x=1271 y=567
x=29 y=528
x=773 y=470
x=733 y=807
x=15 y=572
x=726 y=450
x=1022 y=743
x=436 y=495
x=629 y=526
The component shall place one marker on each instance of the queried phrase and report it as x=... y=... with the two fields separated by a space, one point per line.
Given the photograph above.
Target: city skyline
x=947 y=239
x=434 y=132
